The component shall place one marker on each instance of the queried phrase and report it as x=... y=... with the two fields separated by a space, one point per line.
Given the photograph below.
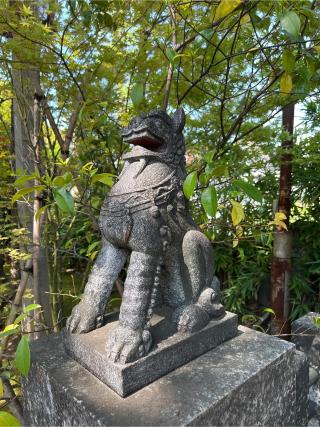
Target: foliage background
x=74 y=72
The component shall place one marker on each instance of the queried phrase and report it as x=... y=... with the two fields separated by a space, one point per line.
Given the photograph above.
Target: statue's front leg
x=132 y=339
x=88 y=314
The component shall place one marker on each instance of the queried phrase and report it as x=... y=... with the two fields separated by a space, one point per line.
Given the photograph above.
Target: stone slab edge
x=176 y=351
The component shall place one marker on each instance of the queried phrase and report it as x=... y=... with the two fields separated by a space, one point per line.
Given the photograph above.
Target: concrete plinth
x=251 y=380
x=170 y=350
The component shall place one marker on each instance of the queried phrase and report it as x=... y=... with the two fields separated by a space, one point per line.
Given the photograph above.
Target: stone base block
x=250 y=380
x=306 y=336
x=168 y=353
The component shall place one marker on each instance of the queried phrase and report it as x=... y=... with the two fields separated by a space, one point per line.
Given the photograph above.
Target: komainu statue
x=146 y=217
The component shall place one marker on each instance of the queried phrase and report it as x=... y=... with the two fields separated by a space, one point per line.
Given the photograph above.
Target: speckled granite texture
x=145 y=219
x=170 y=352
x=306 y=336
x=250 y=380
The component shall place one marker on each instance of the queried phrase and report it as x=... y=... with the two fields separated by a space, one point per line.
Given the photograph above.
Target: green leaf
x=22 y=357
x=269 y=310
x=93 y=172
x=225 y=7
x=237 y=213
x=249 y=189
x=105 y=19
x=221 y=170
x=20 y=318
x=67 y=177
x=1 y=388
x=290 y=22
x=316 y=320
x=8 y=420
x=137 y=93
x=190 y=184
x=170 y=53
x=40 y=212
x=203 y=179
x=23 y=179
x=286 y=83
x=31 y=307
x=58 y=182
x=25 y=191
x=245 y=19
x=288 y=61
x=64 y=200
x=209 y=201
x=208 y=156
x=92 y=247
x=203 y=37
x=105 y=178
x=312 y=64
x=9 y=330
x=101 y=4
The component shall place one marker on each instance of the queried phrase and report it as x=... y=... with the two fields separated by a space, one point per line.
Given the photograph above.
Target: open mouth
x=144 y=138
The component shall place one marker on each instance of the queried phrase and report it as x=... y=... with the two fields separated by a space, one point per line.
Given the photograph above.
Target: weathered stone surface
x=170 y=351
x=249 y=380
x=146 y=217
x=302 y=387
x=306 y=336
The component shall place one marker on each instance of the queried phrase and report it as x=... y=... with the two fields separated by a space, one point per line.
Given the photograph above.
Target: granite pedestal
x=170 y=350
x=252 y=380
x=306 y=336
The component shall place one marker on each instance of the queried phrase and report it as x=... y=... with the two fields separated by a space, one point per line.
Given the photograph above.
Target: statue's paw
x=84 y=318
x=209 y=300
x=192 y=318
x=126 y=345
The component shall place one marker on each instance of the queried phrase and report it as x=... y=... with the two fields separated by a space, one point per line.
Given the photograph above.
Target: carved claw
x=196 y=316
x=192 y=318
x=209 y=300
x=126 y=345
x=84 y=318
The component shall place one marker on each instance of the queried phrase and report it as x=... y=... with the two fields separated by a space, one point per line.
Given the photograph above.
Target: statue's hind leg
x=88 y=314
x=204 y=303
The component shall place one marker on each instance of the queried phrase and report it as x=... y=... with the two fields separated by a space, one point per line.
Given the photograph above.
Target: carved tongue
x=142 y=164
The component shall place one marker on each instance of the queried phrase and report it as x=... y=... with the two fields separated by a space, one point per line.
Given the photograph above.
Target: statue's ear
x=179 y=120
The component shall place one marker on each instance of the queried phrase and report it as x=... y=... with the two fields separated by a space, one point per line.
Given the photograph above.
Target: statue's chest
x=141 y=175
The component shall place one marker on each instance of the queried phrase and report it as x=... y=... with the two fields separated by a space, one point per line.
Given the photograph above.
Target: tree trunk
x=282 y=244
x=25 y=81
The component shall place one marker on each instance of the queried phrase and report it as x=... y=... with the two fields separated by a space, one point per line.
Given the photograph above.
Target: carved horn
x=179 y=120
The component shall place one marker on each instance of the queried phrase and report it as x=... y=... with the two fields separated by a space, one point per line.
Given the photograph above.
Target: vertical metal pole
x=282 y=243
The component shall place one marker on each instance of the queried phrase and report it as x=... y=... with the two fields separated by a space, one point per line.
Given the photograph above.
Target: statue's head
x=159 y=133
